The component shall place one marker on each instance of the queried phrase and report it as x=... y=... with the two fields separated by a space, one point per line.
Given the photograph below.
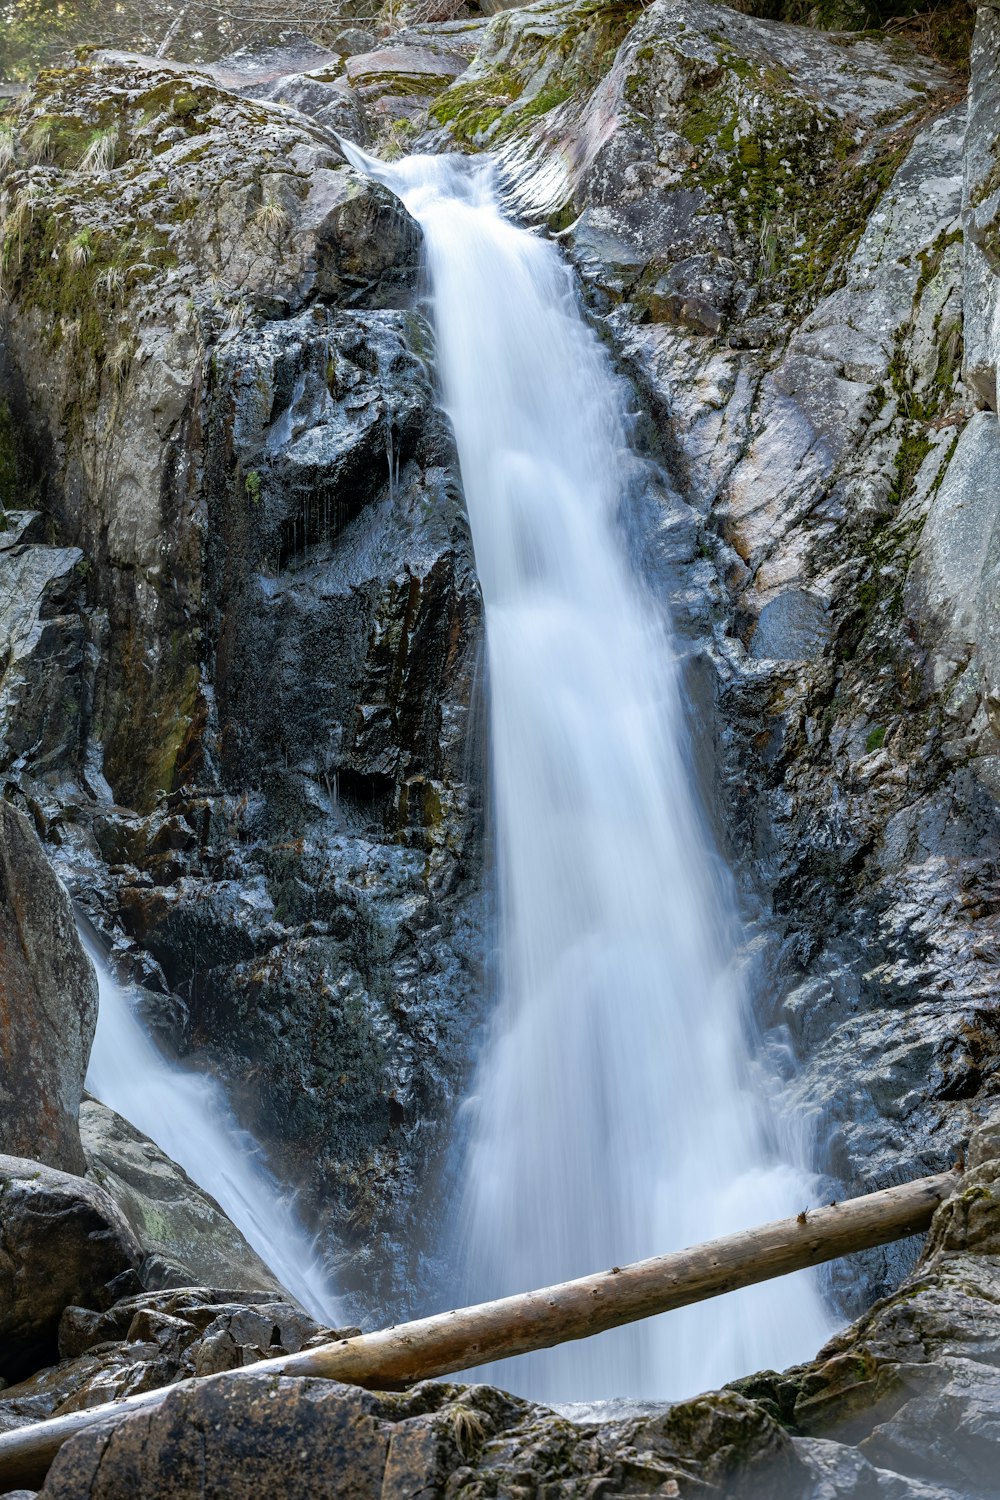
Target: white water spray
x=188 y=1116
x=612 y=1116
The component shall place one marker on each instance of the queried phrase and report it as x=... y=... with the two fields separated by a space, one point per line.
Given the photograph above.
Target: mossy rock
x=531 y=62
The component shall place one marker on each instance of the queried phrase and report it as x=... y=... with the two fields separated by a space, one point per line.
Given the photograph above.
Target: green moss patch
x=787 y=174
x=528 y=68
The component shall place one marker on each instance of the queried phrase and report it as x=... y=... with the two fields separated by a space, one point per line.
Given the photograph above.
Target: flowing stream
x=188 y=1116
x=612 y=1116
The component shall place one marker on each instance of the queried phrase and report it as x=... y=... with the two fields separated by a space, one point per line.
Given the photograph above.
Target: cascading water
x=188 y=1116
x=612 y=1117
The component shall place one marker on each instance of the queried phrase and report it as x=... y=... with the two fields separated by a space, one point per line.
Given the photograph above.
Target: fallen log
x=469 y=1336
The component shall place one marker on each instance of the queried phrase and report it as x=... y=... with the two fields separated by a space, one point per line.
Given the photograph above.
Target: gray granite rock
x=947 y=577
x=170 y=1216
x=980 y=209
x=792 y=626
x=269 y=791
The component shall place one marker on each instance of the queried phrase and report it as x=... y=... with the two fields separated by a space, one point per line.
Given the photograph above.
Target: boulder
x=417 y=73
x=63 y=1241
x=48 y=1004
x=255 y=1438
x=43 y=639
x=193 y=1241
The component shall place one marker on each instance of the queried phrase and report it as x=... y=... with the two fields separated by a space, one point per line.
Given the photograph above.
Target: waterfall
x=188 y=1116
x=613 y=1115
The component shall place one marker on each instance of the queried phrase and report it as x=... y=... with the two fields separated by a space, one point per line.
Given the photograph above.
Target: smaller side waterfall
x=188 y=1116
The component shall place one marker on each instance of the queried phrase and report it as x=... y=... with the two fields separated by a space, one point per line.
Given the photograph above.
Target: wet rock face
x=345 y=618
x=150 y=270
x=264 y=782
x=48 y=1004
x=62 y=1241
x=786 y=237
x=46 y=639
x=338 y=643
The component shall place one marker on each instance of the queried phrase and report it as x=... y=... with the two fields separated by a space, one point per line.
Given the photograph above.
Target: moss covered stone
x=530 y=63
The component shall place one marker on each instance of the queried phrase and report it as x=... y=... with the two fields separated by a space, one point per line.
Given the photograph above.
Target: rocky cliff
x=782 y=235
x=241 y=627
x=244 y=626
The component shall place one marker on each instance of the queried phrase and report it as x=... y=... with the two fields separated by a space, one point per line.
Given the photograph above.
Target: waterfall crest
x=188 y=1116
x=612 y=1116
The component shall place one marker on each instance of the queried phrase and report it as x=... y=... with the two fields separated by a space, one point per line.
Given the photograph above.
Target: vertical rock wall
x=246 y=625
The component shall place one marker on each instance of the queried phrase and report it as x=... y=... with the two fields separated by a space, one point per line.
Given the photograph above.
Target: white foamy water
x=188 y=1116
x=612 y=1116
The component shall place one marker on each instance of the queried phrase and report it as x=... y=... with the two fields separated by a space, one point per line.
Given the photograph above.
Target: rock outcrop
x=256 y=1438
x=785 y=238
x=186 y=1238
x=62 y=1241
x=141 y=1340
x=48 y=1002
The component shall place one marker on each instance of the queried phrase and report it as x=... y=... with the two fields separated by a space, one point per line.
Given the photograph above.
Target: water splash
x=613 y=1116
x=188 y=1116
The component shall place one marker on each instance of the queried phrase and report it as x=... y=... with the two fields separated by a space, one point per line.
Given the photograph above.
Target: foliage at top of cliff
x=36 y=34
x=944 y=30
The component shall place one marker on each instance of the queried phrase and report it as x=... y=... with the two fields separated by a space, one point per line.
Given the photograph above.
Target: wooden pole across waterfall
x=470 y=1336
